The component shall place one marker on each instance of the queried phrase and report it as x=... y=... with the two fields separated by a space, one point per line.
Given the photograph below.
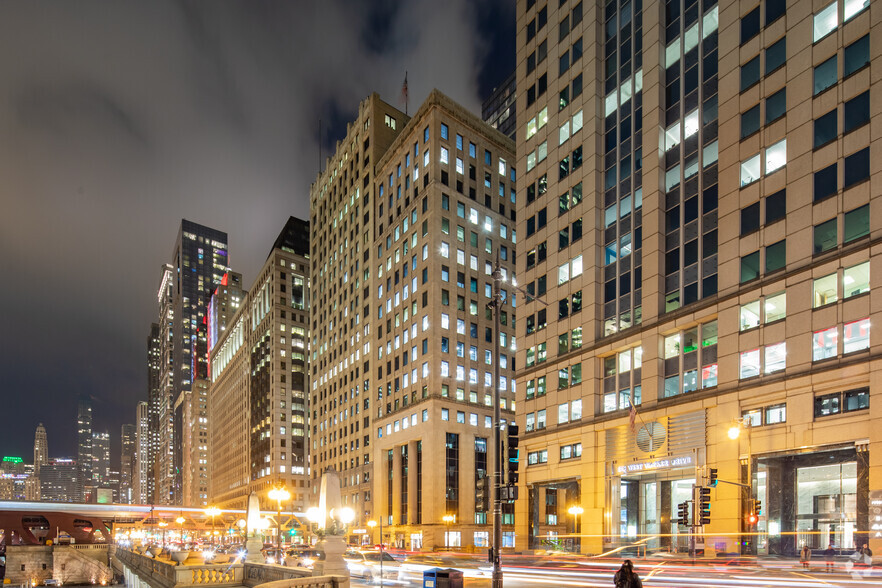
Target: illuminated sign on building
x=662 y=463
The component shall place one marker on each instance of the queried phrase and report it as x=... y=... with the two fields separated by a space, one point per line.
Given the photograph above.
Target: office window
x=750 y=218
x=825 y=182
x=749 y=364
x=827 y=404
x=750 y=170
x=825 y=75
x=752 y=417
x=776 y=256
x=750 y=267
x=856 y=112
x=750 y=73
x=825 y=22
x=856 y=399
x=750 y=25
x=857 y=224
x=824 y=343
x=775 y=357
x=856 y=280
x=776 y=105
x=825 y=236
x=850 y=8
x=749 y=315
x=776 y=55
x=776 y=414
x=825 y=129
x=776 y=206
x=856 y=56
x=856 y=336
x=776 y=156
x=857 y=167
x=775 y=307
x=750 y=122
x=825 y=290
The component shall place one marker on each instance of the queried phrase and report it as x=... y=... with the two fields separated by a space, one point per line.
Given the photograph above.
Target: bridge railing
x=161 y=573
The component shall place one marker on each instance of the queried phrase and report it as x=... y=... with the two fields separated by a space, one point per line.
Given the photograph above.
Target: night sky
x=117 y=119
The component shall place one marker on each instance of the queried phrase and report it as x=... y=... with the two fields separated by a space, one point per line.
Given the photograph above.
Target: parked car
x=366 y=564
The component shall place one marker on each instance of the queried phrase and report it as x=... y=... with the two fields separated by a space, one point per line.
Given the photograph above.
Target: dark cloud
x=119 y=119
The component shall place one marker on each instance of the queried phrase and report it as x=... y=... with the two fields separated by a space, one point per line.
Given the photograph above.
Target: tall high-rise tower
x=100 y=458
x=127 y=463
x=706 y=171
x=200 y=261
x=84 y=446
x=41 y=449
x=148 y=440
x=141 y=469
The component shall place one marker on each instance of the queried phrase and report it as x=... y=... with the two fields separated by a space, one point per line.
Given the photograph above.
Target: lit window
x=776 y=307
x=824 y=291
x=856 y=336
x=776 y=156
x=750 y=315
x=825 y=22
x=776 y=414
x=824 y=343
x=853 y=7
x=749 y=364
x=750 y=170
x=776 y=357
x=856 y=280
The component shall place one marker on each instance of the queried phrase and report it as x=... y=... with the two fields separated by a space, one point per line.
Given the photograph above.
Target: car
x=372 y=565
x=302 y=557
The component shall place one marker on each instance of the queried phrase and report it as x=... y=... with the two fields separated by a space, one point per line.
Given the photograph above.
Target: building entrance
x=646 y=506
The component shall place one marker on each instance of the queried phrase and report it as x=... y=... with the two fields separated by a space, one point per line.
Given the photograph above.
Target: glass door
x=649 y=512
x=681 y=491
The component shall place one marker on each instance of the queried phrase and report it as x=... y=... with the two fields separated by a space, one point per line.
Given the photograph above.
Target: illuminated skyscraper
x=84 y=446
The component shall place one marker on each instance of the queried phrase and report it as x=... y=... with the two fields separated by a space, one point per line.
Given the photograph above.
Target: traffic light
x=703 y=505
x=712 y=477
x=758 y=507
x=511 y=441
x=482 y=494
x=683 y=513
x=752 y=518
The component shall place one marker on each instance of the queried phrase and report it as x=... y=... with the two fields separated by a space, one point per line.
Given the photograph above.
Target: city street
x=669 y=574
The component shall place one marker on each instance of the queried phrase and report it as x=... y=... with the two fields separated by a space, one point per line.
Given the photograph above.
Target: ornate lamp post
x=212 y=511
x=163 y=525
x=180 y=520
x=577 y=510
x=279 y=494
x=448 y=519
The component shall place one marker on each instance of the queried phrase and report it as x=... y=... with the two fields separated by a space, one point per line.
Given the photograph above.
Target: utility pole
x=496 y=303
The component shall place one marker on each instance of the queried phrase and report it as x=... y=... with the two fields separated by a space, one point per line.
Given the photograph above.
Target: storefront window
x=826 y=505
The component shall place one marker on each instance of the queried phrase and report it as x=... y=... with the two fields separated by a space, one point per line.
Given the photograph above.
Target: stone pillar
x=396 y=484
x=412 y=486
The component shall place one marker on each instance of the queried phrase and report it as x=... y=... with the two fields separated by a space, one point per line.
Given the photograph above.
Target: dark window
x=856 y=399
x=857 y=55
x=825 y=75
x=577 y=50
x=750 y=25
x=776 y=55
x=577 y=14
x=750 y=267
x=542 y=84
x=542 y=51
x=564 y=28
x=857 y=112
x=857 y=224
x=531 y=29
x=776 y=256
x=776 y=206
x=825 y=236
x=825 y=182
x=564 y=63
x=774 y=10
x=531 y=94
x=577 y=85
x=750 y=121
x=825 y=129
x=542 y=17
x=750 y=73
x=857 y=167
x=750 y=218
x=776 y=105
x=531 y=62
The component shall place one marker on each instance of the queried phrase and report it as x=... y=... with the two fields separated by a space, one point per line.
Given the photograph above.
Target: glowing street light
x=279 y=494
x=576 y=511
x=448 y=519
x=212 y=511
x=180 y=520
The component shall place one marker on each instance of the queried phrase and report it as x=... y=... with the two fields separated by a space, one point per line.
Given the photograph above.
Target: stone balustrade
x=142 y=571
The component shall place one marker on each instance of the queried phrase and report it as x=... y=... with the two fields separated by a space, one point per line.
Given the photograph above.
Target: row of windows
x=855 y=169
x=827 y=20
x=856 y=337
x=854 y=57
x=840 y=402
x=750 y=22
x=856 y=113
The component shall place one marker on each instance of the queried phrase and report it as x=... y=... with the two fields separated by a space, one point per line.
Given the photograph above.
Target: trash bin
x=442 y=578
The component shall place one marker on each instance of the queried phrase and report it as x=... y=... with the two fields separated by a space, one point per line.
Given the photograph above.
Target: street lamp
x=180 y=520
x=734 y=433
x=163 y=525
x=372 y=523
x=279 y=494
x=212 y=511
x=448 y=520
x=577 y=510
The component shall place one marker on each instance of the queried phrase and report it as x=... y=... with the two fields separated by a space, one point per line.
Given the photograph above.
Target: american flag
x=632 y=413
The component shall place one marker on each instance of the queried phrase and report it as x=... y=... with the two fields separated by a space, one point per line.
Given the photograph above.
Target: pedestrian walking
x=626 y=578
x=829 y=554
x=805 y=556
